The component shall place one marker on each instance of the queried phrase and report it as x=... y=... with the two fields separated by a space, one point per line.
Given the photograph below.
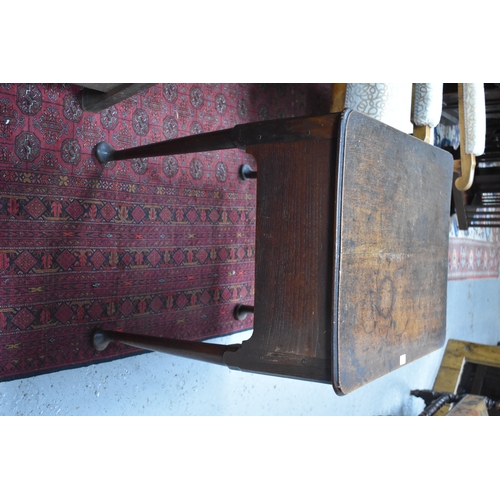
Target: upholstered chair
x=412 y=108
x=427 y=107
x=472 y=121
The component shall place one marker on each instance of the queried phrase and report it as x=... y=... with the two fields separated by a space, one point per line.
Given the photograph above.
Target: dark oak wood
x=351 y=247
x=241 y=311
x=294 y=261
x=101 y=87
x=272 y=131
x=246 y=173
x=391 y=251
x=97 y=97
x=201 y=351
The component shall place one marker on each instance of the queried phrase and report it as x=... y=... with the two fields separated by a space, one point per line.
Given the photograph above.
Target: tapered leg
x=245 y=173
x=209 y=141
x=241 y=311
x=202 y=351
x=240 y=136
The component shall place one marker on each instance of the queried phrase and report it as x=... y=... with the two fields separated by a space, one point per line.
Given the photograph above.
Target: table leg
x=201 y=351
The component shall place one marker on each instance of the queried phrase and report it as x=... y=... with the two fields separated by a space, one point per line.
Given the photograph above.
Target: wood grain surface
x=391 y=244
x=294 y=261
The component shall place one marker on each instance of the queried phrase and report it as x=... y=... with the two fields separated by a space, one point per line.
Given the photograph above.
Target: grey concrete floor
x=160 y=384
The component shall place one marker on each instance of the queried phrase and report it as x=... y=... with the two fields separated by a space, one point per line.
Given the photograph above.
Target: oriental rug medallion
x=163 y=246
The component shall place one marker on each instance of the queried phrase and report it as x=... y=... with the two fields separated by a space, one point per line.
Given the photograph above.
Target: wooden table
x=351 y=249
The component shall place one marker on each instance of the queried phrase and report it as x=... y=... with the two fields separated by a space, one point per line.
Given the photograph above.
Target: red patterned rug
x=160 y=245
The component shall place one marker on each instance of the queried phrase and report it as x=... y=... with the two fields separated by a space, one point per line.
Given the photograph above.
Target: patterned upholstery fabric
x=428 y=104
x=474 y=118
x=388 y=102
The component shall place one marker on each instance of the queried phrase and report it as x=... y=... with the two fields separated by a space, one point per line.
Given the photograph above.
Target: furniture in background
x=99 y=96
x=351 y=248
x=427 y=108
x=479 y=206
x=389 y=103
x=491 y=155
x=416 y=109
x=467 y=369
x=492 y=106
x=412 y=108
x=469 y=406
x=472 y=123
x=464 y=405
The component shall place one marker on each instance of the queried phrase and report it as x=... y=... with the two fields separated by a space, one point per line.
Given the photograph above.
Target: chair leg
x=458 y=200
x=423 y=132
x=201 y=351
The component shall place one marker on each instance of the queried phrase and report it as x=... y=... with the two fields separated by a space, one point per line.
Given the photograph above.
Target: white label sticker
x=402 y=359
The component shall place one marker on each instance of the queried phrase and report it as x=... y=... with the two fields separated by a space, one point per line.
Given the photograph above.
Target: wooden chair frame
x=456 y=354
